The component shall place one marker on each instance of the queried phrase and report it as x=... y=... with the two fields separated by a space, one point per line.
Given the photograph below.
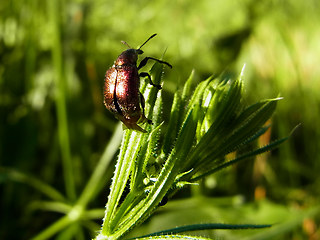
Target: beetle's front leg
x=146 y=59
x=145 y=74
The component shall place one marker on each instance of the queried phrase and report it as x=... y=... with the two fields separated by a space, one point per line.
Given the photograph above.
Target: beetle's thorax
x=128 y=57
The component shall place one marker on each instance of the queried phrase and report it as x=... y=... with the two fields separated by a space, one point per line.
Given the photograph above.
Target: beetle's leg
x=145 y=74
x=142 y=101
x=146 y=59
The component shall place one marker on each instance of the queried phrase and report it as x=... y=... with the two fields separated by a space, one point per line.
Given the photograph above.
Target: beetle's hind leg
x=145 y=74
x=142 y=101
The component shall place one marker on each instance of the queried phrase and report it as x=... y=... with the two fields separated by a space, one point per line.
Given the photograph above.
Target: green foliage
x=205 y=125
x=58 y=143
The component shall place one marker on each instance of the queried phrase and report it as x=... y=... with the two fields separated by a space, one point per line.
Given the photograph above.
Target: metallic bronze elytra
x=121 y=87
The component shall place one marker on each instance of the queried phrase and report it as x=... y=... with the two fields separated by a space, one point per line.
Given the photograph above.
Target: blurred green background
x=53 y=57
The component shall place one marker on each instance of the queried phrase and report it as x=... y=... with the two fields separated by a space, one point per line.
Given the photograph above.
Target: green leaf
x=245 y=156
x=173 y=126
x=176 y=237
x=225 y=103
x=207 y=226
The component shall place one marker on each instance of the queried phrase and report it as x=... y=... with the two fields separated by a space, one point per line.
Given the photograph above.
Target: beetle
x=121 y=87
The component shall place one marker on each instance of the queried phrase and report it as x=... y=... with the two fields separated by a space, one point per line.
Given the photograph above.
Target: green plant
x=205 y=125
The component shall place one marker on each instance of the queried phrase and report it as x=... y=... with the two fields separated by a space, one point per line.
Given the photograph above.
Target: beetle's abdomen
x=109 y=88
x=121 y=93
x=127 y=92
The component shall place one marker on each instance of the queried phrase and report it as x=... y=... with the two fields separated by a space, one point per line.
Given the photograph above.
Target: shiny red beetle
x=121 y=87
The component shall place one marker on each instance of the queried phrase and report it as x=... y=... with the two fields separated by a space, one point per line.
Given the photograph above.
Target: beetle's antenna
x=123 y=42
x=153 y=35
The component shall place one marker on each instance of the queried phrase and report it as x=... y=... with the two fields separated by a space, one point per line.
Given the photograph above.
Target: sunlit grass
x=63 y=49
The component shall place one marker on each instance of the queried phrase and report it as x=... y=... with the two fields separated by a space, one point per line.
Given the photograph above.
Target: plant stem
x=54 y=228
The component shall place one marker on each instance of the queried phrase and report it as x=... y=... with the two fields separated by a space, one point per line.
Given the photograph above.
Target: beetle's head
x=130 y=56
